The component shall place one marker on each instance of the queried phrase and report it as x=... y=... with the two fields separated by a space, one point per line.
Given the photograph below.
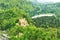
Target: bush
x=33 y=33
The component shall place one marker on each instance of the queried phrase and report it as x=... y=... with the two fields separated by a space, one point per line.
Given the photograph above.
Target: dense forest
x=12 y=12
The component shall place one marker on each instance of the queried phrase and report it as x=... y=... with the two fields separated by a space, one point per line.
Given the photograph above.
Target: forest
x=16 y=22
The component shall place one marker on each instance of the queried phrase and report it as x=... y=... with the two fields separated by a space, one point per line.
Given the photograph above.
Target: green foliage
x=44 y=28
x=58 y=33
x=33 y=33
x=47 y=22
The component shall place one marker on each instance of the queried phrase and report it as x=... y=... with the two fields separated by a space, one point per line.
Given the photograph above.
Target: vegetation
x=43 y=28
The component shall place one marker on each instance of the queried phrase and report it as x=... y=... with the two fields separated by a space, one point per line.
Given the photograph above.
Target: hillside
x=16 y=22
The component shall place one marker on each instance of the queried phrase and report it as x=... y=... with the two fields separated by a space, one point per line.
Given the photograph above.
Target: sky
x=48 y=1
